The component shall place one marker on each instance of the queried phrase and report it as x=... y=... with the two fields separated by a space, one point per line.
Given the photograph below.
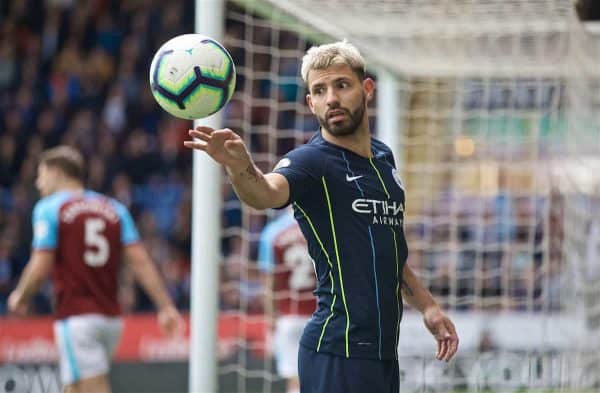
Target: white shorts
x=288 y=329
x=85 y=345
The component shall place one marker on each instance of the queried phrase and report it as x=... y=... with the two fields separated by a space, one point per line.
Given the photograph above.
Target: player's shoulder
x=94 y=195
x=379 y=146
x=382 y=151
x=310 y=155
x=51 y=204
x=316 y=144
x=118 y=206
x=310 y=148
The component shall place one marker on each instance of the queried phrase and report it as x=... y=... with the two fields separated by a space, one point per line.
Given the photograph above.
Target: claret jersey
x=282 y=252
x=87 y=232
x=351 y=210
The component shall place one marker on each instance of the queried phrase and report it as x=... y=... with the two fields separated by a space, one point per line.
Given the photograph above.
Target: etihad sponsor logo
x=375 y=206
x=384 y=212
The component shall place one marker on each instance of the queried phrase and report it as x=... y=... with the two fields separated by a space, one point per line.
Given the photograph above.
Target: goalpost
x=206 y=236
x=492 y=108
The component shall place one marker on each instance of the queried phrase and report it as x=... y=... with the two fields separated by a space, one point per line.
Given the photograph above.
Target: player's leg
x=288 y=330
x=85 y=344
x=326 y=373
x=97 y=384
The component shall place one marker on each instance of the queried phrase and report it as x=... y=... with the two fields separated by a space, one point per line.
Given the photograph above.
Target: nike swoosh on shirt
x=352 y=178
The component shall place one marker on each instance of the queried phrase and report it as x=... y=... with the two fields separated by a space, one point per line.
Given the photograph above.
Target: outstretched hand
x=224 y=146
x=443 y=331
x=170 y=321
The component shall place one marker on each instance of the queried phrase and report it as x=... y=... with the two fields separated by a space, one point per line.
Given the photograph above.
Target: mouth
x=336 y=115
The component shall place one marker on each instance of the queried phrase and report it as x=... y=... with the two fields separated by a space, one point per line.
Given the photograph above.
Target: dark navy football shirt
x=351 y=210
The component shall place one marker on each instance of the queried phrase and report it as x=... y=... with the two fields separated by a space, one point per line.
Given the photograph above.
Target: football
x=192 y=76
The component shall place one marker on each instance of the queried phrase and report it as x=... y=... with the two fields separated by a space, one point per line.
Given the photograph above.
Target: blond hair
x=323 y=56
x=67 y=159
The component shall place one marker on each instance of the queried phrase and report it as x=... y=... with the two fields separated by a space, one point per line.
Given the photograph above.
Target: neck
x=69 y=185
x=359 y=142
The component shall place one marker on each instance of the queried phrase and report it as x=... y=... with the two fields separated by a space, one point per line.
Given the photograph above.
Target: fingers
x=19 y=310
x=442 y=349
x=453 y=341
x=452 y=348
x=173 y=328
x=206 y=135
x=199 y=145
x=447 y=339
x=171 y=322
x=200 y=135
x=204 y=129
x=177 y=325
x=448 y=343
x=16 y=305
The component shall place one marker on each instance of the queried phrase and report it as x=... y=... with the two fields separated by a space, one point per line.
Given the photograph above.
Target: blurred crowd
x=76 y=72
x=502 y=252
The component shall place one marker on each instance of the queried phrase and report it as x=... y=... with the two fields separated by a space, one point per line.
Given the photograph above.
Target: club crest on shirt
x=284 y=162
x=396 y=177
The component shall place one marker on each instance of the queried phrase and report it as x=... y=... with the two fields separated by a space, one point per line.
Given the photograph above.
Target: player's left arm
x=440 y=326
x=35 y=273
x=146 y=273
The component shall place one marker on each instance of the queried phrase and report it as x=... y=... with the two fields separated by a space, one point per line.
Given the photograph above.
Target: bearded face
x=338 y=98
x=339 y=121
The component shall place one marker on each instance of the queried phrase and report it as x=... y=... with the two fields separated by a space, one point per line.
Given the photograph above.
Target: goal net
x=497 y=140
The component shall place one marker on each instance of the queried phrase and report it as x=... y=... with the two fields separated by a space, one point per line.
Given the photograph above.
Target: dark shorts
x=326 y=373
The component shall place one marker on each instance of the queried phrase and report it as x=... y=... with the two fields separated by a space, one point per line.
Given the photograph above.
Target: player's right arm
x=41 y=261
x=253 y=187
x=35 y=273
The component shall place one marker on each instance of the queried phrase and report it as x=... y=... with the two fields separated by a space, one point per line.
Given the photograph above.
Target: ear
x=369 y=88
x=310 y=104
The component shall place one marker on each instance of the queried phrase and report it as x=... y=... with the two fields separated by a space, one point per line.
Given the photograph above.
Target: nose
x=332 y=100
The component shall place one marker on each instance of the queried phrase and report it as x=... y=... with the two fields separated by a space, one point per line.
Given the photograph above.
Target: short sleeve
x=385 y=153
x=390 y=159
x=266 y=258
x=302 y=170
x=266 y=252
x=45 y=226
x=129 y=232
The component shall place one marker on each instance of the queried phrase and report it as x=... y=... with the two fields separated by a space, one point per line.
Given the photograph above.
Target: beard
x=347 y=126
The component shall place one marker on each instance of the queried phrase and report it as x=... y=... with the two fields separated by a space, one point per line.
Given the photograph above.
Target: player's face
x=46 y=178
x=339 y=99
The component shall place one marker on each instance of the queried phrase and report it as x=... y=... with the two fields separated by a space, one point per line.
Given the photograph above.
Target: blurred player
x=81 y=236
x=290 y=276
x=349 y=202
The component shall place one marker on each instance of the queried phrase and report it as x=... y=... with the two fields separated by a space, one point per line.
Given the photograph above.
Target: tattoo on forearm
x=251 y=173
x=406 y=288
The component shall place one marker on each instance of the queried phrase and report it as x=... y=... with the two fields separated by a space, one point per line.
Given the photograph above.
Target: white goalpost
x=206 y=234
